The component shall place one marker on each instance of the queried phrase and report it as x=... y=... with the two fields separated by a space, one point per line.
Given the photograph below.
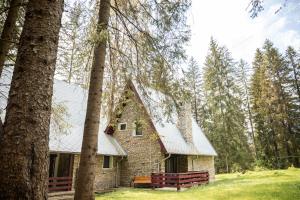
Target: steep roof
x=74 y=99
x=165 y=124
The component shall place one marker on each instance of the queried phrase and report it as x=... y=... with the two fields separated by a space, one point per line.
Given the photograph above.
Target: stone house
x=141 y=140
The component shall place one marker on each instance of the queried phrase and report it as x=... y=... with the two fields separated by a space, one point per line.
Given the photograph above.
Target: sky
x=230 y=24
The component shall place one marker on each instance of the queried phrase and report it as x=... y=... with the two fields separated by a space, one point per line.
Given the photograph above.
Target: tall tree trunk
x=9 y=30
x=86 y=174
x=24 y=144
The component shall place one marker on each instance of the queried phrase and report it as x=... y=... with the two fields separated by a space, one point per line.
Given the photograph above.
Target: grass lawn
x=276 y=184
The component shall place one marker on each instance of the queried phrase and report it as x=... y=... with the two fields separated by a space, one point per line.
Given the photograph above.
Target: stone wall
x=197 y=163
x=144 y=153
x=105 y=178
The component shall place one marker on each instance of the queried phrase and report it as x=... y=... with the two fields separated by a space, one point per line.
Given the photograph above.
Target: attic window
x=122 y=126
x=138 y=129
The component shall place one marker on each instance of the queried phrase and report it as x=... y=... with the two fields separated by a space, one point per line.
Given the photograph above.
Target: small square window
x=122 y=126
x=107 y=162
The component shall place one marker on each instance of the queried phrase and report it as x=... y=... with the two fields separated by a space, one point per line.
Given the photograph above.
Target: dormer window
x=122 y=126
x=138 y=128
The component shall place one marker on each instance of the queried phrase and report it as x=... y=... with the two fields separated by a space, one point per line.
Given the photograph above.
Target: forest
x=249 y=111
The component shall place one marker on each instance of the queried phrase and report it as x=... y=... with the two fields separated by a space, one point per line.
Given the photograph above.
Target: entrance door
x=171 y=164
x=60 y=165
x=65 y=165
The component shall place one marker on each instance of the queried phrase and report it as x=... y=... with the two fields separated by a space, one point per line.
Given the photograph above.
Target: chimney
x=184 y=123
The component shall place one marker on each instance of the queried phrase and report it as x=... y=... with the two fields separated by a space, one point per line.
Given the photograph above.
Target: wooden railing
x=59 y=184
x=179 y=180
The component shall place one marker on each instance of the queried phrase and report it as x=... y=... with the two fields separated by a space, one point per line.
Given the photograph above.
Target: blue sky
x=230 y=24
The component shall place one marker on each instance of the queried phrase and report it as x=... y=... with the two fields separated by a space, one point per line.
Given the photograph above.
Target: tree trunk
x=86 y=173
x=24 y=144
x=9 y=30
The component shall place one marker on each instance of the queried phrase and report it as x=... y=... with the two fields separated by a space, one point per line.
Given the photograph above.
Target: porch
x=179 y=180
x=179 y=173
x=60 y=172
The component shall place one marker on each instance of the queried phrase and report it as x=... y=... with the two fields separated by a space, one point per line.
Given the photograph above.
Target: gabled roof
x=74 y=99
x=165 y=124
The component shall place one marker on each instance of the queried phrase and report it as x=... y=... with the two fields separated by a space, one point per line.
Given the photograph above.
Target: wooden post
x=152 y=181
x=178 y=182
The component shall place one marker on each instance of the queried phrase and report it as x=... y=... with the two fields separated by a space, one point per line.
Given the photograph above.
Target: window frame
x=110 y=162
x=135 y=128
x=122 y=123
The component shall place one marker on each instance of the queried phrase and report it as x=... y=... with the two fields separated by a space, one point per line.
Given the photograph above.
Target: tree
x=74 y=47
x=261 y=94
x=275 y=111
x=225 y=121
x=293 y=61
x=256 y=6
x=24 y=143
x=193 y=84
x=8 y=31
x=86 y=172
x=242 y=76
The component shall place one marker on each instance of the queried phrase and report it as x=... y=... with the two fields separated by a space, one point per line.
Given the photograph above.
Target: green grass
x=276 y=184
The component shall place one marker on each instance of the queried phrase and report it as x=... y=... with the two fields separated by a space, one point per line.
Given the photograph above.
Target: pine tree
x=293 y=60
x=193 y=85
x=242 y=72
x=74 y=45
x=274 y=108
x=258 y=81
x=225 y=123
x=24 y=143
x=8 y=31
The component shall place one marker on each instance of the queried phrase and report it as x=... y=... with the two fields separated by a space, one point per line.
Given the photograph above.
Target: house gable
x=144 y=152
x=170 y=135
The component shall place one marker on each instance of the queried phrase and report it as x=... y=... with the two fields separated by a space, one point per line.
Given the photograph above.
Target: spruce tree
x=276 y=113
x=225 y=124
x=24 y=144
x=192 y=83
x=242 y=72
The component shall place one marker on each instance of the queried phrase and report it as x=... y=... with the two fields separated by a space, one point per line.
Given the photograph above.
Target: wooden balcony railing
x=57 y=184
x=179 y=180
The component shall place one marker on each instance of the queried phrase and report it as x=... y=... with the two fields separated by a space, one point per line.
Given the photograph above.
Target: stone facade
x=105 y=177
x=144 y=154
x=198 y=163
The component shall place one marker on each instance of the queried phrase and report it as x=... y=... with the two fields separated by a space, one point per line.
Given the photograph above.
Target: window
x=138 y=128
x=107 y=162
x=122 y=126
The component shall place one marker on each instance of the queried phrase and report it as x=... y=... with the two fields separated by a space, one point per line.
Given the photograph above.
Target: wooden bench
x=142 y=180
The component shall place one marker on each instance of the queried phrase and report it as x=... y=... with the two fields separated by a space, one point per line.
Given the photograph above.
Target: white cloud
x=230 y=24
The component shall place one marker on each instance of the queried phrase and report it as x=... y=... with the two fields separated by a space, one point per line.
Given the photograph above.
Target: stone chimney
x=184 y=123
